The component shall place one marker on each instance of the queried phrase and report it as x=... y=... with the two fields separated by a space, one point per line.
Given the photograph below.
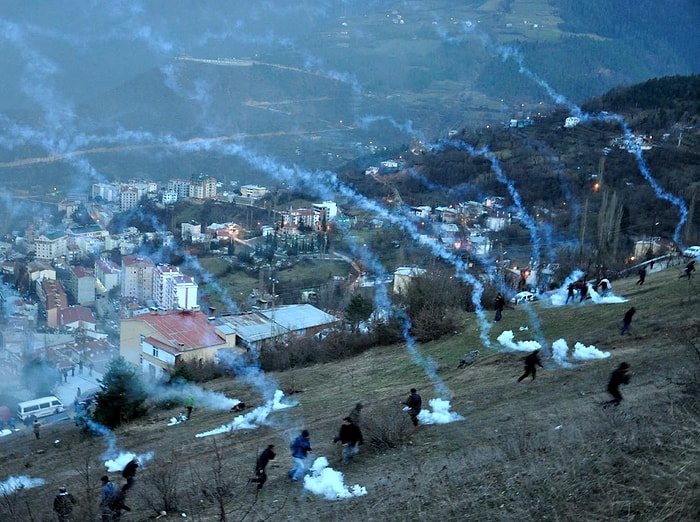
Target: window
x=155 y=352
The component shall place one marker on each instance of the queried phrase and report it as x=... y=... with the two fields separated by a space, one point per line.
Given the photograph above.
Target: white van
x=42 y=407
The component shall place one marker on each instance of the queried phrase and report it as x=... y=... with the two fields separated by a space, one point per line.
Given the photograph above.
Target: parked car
x=523 y=297
x=693 y=251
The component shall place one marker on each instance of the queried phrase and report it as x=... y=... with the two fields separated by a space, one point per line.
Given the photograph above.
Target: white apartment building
x=107 y=191
x=253 y=191
x=128 y=198
x=180 y=292
x=328 y=207
x=181 y=187
x=107 y=275
x=161 y=275
x=137 y=277
x=50 y=245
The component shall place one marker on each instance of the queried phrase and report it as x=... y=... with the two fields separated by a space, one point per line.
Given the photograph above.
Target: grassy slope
x=505 y=461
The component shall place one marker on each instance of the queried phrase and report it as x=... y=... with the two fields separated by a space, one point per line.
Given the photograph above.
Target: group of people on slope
x=112 y=499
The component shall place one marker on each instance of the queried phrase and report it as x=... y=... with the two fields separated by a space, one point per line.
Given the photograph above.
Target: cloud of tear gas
x=329 y=483
x=117 y=463
x=560 y=353
x=177 y=391
x=14 y=484
x=506 y=339
x=587 y=353
x=440 y=413
x=254 y=418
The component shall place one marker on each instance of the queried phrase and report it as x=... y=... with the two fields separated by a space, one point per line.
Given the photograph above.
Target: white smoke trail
x=254 y=418
x=560 y=353
x=14 y=484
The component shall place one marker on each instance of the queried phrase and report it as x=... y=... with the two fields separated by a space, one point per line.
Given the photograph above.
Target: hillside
x=542 y=450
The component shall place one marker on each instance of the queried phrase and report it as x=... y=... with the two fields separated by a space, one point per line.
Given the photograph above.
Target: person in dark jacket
x=414 y=403
x=688 y=270
x=642 y=276
x=301 y=447
x=63 y=504
x=532 y=361
x=129 y=472
x=264 y=458
x=621 y=375
x=499 y=304
x=350 y=436
x=627 y=320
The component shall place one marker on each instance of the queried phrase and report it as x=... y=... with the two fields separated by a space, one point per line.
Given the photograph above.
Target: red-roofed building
x=78 y=317
x=53 y=299
x=158 y=342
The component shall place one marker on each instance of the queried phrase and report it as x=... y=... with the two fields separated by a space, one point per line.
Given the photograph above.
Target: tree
x=122 y=395
x=359 y=309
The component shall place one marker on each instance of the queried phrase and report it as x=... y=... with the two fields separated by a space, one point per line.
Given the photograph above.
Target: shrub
x=386 y=427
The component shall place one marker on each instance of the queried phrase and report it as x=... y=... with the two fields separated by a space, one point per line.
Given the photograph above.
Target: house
x=160 y=340
x=107 y=275
x=263 y=328
x=78 y=318
x=403 y=276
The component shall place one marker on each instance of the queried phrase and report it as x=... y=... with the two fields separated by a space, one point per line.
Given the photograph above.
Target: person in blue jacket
x=301 y=447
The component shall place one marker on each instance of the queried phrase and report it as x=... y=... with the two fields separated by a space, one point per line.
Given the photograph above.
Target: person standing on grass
x=350 y=437
x=189 y=404
x=532 y=361
x=129 y=473
x=264 y=459
x=63 y=504
x=642 y=276
x=414 y=403
x=627 y=320
x=619 y=376
x=36 y=428
x=107 y=496
x=499 y=304
x=301 y=447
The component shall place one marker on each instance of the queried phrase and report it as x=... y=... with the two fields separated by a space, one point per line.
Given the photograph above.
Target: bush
x=386 y=427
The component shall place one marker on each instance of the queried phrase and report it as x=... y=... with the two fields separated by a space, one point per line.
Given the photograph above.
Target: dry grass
x=542 y=450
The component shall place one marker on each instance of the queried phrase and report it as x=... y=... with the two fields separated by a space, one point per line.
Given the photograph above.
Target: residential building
x=253 y=191
x=137 y=277
x=82 y=285
x=107 y=275
x=403 y=276
x=327 y=208
x=265 y=328
x=181 y=187
x=202 y=187
x=50 y=245
x=128 y=198
x=78 y=318
x=190 y=230
x=52 y=299
x=160 y=341
x=168 y=197
x=40 y=269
